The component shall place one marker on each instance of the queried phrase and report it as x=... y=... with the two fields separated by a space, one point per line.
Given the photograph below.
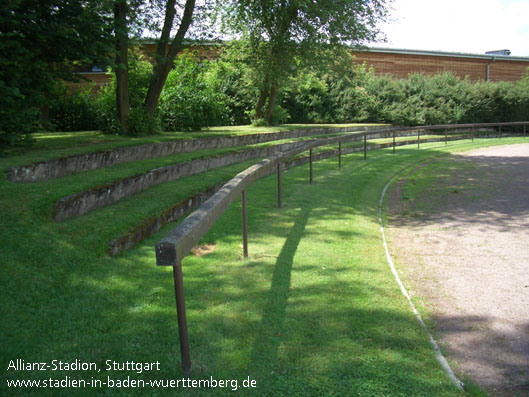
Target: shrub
x=73 y=110
x=226 y=77
x=140 y=123
x=18 y=118
x=188 y=102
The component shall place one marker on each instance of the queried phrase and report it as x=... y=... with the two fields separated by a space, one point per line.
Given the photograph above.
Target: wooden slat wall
x=400 y=65
x=507 y=71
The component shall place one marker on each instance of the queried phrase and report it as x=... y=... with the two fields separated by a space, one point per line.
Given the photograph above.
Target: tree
x=129 y=14
x=122 y=63
x=41 y=42
x=166 y=50
x=279 y=33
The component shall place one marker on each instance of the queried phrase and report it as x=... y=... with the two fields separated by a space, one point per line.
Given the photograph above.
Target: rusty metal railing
x=171 y=250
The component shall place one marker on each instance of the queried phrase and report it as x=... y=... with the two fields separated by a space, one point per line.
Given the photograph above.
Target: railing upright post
x=418 y=138
x=279 y=202
x=499 y=132
x=365 y=146
x=339 y=154
x=446 y=137
x=524 y=131
x=244 y=226
x=310 y=161
x=393 y=141
x=473 y=133
x=182 y=320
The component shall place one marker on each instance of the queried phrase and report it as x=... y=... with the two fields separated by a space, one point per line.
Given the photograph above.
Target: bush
x=18 y=118
x=227 y=77
x=357 y=95
x=73 y=110
x=140 y=123
x=188 y=102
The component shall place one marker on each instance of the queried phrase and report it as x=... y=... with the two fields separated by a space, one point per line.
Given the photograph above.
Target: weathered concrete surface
x=171 y=250
x=150 y=226
x=175 y=246
x=99 y=197
x=57 y=168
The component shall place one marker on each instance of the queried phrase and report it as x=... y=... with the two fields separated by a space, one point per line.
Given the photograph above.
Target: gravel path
x=462 y=245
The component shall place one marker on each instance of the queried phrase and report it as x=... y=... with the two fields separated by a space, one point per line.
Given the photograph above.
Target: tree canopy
x=41 y=42
x=277 y=32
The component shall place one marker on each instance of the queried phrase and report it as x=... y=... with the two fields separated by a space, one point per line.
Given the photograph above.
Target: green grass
x=62 y=144
x=313 y=311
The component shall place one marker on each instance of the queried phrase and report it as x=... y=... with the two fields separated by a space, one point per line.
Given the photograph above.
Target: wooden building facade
x=400 y=63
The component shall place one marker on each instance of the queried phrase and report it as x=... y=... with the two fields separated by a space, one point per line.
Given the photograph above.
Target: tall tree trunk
x=263 y=96
x=165 y=57
x=122 y=64
x=271 y=102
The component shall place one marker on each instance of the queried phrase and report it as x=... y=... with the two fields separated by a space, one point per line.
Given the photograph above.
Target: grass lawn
x=62 y=144
x=314 y=310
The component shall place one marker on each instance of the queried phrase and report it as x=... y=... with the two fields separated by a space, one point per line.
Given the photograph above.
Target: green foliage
x=190 y=100
x=231 y=77
x=259 y=122
x=141 y=123
x=73 y=110
x=199 y=94
x=86 y=110
x=357 y=95
x=139 y=76
x=41 y=43
x=306 y=98
x=275 y=36
x=279 y=116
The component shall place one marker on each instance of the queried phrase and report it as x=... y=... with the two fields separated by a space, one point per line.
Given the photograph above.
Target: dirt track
x=462 y=244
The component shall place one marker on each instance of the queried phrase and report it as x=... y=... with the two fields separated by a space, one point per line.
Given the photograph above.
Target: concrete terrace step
x=60 y=167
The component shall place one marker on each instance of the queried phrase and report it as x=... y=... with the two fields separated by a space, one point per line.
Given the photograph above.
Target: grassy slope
x=312 y=311
x=62 y=144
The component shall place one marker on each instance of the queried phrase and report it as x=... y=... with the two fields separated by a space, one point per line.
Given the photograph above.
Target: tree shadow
x=491 y=352
x=266 y=346
x=489 y=190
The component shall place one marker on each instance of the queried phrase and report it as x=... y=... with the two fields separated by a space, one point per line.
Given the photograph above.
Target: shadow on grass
x=266 y=346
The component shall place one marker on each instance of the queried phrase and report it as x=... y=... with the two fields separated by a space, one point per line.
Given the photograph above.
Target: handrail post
x=339 y=154
x=365 y=146
x=244 y=225
x=499 y=132
x=393 y=141
x=182 y=321
x=279 y=203
x=310 y=162
x=418 y=138
x=446 y=136
x=524 y=131
x=473 y=133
